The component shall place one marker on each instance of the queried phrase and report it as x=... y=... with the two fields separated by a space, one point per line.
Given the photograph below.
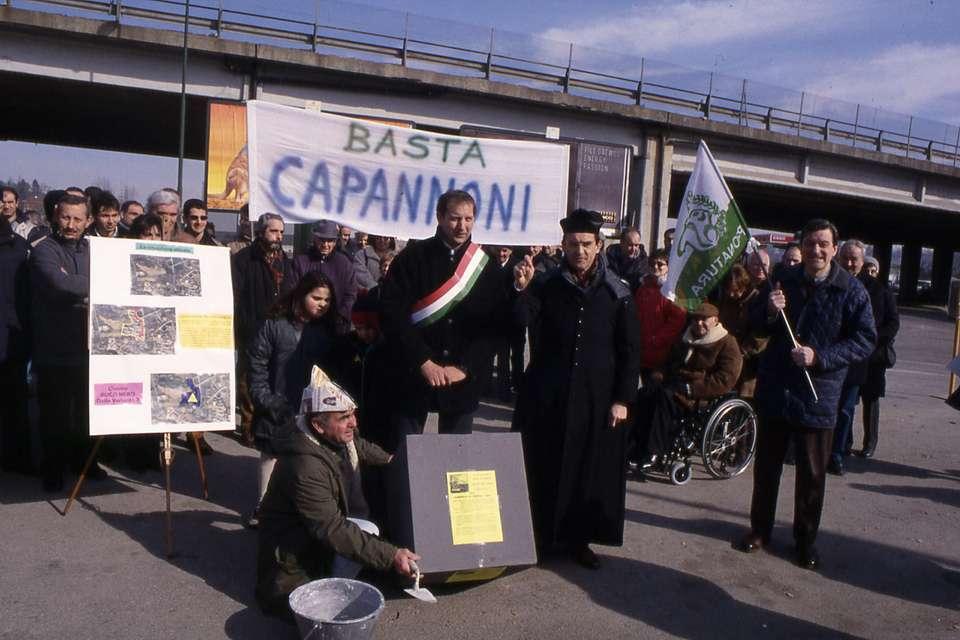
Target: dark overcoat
x=887 y=318
x=586 y=359
x=464 y=338
x=255 y=289
x=14 y=296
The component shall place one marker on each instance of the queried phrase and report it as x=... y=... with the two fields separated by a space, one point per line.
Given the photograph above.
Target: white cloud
x=912 y=78
x=662 y=27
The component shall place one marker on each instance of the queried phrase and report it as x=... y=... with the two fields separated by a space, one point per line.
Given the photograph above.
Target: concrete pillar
x=942 y=274
x=909 y=272
x=883 y=252
x=654 y=173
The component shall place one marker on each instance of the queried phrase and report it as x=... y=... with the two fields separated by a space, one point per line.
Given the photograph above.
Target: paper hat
x=323 y=395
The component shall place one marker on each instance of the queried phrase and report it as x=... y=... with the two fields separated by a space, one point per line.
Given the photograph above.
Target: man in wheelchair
x=703 y=366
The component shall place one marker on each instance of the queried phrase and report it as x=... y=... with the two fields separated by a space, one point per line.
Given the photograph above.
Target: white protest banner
x=161 y=337
x=386 y=180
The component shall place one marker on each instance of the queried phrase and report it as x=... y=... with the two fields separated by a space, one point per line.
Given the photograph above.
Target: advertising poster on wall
x=161 y=337
x=227 y=175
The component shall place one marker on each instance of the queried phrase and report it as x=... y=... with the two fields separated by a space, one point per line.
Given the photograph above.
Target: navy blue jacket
x=14 y=292
x=60 y=279
x=834 y=318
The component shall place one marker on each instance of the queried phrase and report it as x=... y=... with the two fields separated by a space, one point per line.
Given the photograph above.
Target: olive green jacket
x=303 y=519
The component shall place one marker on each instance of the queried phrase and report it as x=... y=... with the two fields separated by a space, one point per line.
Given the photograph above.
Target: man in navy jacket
x=830 y=312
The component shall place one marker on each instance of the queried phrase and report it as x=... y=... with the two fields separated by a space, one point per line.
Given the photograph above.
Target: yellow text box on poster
x=474 y=507
x=205 y=332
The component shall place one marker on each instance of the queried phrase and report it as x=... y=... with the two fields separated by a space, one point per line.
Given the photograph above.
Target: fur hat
x=582 y=221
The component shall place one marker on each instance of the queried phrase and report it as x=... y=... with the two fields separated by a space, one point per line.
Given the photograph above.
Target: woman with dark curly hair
x=297 y=334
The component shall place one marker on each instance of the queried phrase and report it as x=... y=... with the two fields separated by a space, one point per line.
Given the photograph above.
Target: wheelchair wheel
x=680 y=472
x=729 y=438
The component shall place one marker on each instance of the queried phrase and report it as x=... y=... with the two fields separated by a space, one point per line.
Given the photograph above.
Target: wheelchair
x=723 y=431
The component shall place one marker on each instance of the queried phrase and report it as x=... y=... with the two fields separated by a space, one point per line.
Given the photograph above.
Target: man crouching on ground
x=312 y=519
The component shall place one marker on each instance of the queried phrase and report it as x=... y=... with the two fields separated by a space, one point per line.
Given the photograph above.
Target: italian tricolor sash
x=439 y=303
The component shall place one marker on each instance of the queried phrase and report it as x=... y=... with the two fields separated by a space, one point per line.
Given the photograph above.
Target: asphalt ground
x=889 y=545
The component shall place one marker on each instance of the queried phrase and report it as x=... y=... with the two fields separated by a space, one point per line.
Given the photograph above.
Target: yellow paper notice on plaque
x=474 y=507
x=205 y=332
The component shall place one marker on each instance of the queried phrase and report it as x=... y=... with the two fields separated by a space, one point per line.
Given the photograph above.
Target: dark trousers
x=510 y=362
x=63 y=399
x=871 y=423
x=812 y=448
x=459 y=423
x=843 y=434
x=14 y=426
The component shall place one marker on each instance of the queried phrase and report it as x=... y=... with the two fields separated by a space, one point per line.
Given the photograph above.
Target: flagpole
x=753 y=245
x=183 y=101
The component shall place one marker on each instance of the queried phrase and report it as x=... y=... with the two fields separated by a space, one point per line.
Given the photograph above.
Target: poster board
x=160 y=337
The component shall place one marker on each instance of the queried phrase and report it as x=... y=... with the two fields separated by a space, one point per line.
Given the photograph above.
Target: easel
x=166 y=460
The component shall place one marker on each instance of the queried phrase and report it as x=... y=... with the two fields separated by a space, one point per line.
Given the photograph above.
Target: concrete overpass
x=113 y=85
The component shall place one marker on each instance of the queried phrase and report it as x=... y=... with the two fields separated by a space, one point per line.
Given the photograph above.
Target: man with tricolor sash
x=443 y=304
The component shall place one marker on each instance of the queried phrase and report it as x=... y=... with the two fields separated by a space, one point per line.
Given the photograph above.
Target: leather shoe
x=751 y=542
x=836 y=468
x=867 y=452
x=808 y=557
x=585 y=557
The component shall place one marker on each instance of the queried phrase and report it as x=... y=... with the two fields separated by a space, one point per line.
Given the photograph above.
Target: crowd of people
x=345 y=348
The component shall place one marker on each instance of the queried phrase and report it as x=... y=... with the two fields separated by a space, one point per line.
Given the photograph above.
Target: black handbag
x=888 y=356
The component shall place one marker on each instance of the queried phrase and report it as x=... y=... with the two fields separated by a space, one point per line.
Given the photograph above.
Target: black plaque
x=420 y=494
x=600 y=180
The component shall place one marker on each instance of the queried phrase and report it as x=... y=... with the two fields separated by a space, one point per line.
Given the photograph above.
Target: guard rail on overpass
x=327 y=26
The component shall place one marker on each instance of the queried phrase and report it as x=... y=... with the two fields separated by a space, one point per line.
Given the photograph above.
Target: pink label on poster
x=118 y=393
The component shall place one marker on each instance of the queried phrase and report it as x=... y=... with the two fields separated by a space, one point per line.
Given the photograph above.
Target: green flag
x=709 y=237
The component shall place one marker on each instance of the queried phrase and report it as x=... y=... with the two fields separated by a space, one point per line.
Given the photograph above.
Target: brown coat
x=735 y=316
x=710 y=365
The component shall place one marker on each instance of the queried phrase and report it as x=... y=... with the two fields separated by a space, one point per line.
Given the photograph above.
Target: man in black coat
x=830 y=312
x=261 y=273
x=572 y=408
x=14 y=350
x=628 y=258
x=443 y=304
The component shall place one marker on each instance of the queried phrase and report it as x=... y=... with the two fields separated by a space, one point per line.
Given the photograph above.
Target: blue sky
x=896 y=55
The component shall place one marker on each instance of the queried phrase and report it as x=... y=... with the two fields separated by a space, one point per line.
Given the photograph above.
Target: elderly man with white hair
x=166 y=204
x=313 y=519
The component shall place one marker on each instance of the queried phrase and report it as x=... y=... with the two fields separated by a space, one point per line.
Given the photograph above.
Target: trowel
x=417 y=591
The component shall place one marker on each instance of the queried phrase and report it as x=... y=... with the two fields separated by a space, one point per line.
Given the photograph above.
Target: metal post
x=880 y=140
x=956 y=148
x=909 y=135
x=706 y=107
x=316 y=25
x=183 y=101
x=490 y=54
x=743 y=102
x=219 y=18
x=640 y=84
x=566 y=76
x=406 y=26
x=826 y=130
x=117 y=9
x=856 y=124
x=803 y=96
x=769 y=118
